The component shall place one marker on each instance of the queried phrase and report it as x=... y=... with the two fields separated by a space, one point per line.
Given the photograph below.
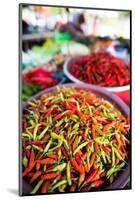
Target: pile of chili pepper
x=73 y=141
x=36 y=80
x=101 y=68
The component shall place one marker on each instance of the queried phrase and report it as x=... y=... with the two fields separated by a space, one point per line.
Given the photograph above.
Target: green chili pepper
x=88 y=157
x=55 y=136
x=59 y=184
x=35 y=131
x=36 y=188
x=59 y=168
x=78 y=106
x=86 y=131
x=28 y=147
x=44 y=168
x=114 y=169
x=48 y=146
x=76 y=126
x=91 y=108
x=30 y=134
x=26 y=135
x=102 y=140
x=39 y=137
x=37 y=148
x=62 y=187
x=32 y=122
x=113 y=157
x=61 y=95
x=59 y=122
x=103 y=156
x=60 y=142
x=49 y=119
x=117 y=153
x=68 y=174
x=80 y=147
x=59 y=153
x=73 y=118
x=66 y=144
x=25 y=161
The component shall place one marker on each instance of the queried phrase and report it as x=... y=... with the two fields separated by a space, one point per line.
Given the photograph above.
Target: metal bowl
x=124 y=177
x=66 y=69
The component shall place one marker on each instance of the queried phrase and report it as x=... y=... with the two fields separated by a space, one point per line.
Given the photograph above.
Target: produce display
x=101 y=68
x=36 y=80
x=73 y=140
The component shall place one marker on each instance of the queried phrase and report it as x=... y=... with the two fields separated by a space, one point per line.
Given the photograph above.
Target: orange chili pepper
x=106 y=149
x=35 y=176
x=73 y=187
x=48 y=112
x=81 y=178
x=31 y=164
x=49 y=176
x=97 y=149
x=93 y=131
x=45 y=161
x=54 y=156
x=79 y=168
x=92 y=159
x=37 y=166
x=59 y=116
x=45 y=187
x=75 y=143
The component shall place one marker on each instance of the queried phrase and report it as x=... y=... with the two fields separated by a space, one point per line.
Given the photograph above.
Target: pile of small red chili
x=36 y=80
x=73 y=141
x=41 y=77
x=101 y=68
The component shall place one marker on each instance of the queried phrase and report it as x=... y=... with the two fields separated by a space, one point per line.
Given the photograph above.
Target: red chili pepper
x=27 y=152
x=97 y=183
x=48 y=113
x=106 y=149
x=93 y=131
x=83 y=136
x=59 y=116
x=73 y=187
x=103 y=174
x=45 y=161
x=81 y=178
x=54 y=156
x=79 y=168
x=97 y=149
x=37 y=142
x=86 y=188
x=64 y=153
x=35 y=176
x=91 y=176
x=31 y=164
x=77 y=158
x=81 y=115
x=45 y=186
x=49 y=176
x=92 y=159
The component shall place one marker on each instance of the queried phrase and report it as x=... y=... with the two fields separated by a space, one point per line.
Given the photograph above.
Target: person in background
x=71 y=30
x=95 y=26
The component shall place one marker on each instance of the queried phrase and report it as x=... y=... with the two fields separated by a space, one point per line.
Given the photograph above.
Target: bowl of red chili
x=35 y=80
x=75 y=138
x=99 y=68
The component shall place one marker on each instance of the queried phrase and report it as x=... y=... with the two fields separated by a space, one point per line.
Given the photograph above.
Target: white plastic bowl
x=75 y=80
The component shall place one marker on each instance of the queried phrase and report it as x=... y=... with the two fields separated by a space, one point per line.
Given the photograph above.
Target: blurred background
x=51 y=35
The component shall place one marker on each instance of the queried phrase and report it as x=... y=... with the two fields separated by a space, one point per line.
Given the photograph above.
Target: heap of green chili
x=73 y=140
